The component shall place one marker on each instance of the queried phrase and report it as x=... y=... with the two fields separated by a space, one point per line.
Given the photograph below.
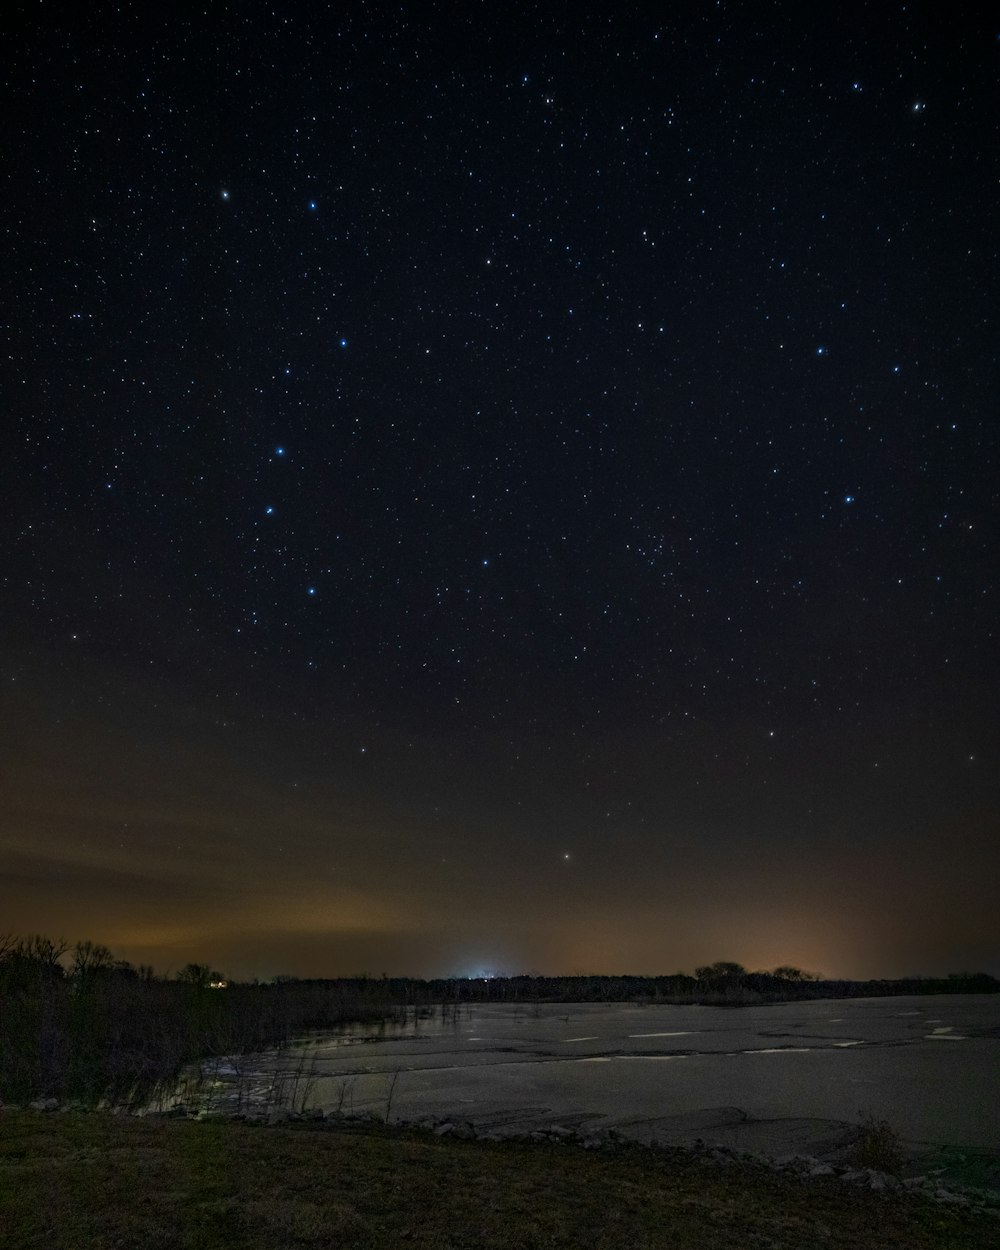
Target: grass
x=878 y=1146
x=90 y=1181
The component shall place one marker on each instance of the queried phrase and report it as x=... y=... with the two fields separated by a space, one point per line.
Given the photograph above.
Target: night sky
x=501 y=487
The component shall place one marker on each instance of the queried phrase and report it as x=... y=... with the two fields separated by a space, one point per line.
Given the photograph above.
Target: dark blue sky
x=503 y=486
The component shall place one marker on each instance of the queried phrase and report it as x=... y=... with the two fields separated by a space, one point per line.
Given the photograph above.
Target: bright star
x=225 y=195
x=820 y=351
x=312 y=590
x=268 y=511
x=312 y=206
x=343 y=342
x=848 y=499
x=279 y=451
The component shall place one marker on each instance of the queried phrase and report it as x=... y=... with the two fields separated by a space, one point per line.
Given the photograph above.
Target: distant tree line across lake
x=734 y=987
x=79 y=1025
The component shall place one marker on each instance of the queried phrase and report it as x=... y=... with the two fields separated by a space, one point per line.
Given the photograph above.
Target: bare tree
x=720 y=969
x=199 y=975
x=90 y=957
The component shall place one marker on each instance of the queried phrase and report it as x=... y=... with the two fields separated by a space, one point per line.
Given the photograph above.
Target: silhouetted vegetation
x=79 y=1025
x=103 y=1031
x=878 y=1146
x=718 y=984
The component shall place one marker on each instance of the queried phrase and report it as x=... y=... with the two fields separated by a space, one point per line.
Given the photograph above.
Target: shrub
x=877 y=1146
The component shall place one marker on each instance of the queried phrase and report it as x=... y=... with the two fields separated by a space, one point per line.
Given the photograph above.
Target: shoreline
x=78 y=1180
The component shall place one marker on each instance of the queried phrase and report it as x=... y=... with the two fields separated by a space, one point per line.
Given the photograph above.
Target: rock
x=881 y=1180
x=821 y=1169
x=945 y=1195
x=465 y=1131
x=44 y=1104
x=559 y=1132
x=444 y=1130
x=210 y=1114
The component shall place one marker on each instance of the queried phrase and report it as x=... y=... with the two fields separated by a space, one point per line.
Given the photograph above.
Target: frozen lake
x=776 y=1078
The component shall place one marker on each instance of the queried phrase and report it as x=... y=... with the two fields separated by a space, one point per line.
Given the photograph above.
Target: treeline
x=719 y=984
x=82 y=1027
x=78 y=1025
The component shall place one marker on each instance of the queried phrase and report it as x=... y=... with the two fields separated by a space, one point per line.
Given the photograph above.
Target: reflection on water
x=490 y=1060
x=289 y=1078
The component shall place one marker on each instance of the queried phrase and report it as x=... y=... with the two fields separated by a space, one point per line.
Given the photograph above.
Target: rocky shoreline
x=927 y=1186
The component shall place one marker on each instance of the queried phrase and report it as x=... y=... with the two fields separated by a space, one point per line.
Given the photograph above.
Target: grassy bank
x=89 y=1181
